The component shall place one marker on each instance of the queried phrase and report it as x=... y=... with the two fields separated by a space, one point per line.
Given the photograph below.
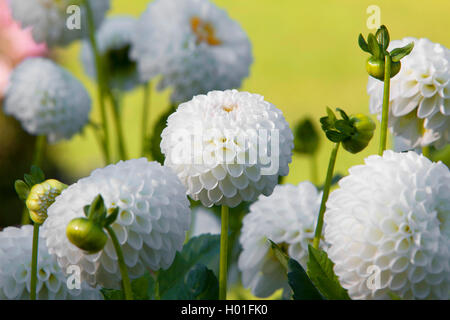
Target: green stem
x=385 y=111
x=118 y=125
x=314 y=175
x=223 y=254
x=101 y=80
x=122 y=266
x=145 y=113
x=38 y=156
x=326 y=192
x=34 y=261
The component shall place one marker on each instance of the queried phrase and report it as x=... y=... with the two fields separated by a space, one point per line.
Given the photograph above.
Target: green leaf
x=343 y=114
x=202 y=284
x=111 y=217
x=335 y=179
x=97 y=210
x=279 y=254
x=335 y=136
x=22 y=189
x=29 y=180
x=400 y=53
x=301 y=285
x=363 y=44
x=143 y=288
x=345 y=127
x=320 y=271
x=86 y=210
x=374 y=47
x=38 y=174
x=382 y=36
x=203 y=249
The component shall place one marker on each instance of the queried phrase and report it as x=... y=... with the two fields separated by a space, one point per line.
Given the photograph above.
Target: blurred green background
x=306 y=57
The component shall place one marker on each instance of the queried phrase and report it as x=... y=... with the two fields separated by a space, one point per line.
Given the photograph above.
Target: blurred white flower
x=195 y=46
x=48 y=19
x=15 y=270
x=153 y=219
x=419 y=95
x=392 y=215
x=215 y=143
x=47 y=100
x=288 y=218
x=114 y=43
x=204 y=221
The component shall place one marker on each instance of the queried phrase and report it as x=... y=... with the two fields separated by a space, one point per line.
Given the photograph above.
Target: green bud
x=306 y=137
x=375 y=68
x=363 y=133
x=86 y=235
x=42 y=196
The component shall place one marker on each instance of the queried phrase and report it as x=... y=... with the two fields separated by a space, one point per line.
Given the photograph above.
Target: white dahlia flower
x=114 y=43
x=227 y=146
x=288 y=218
x=388 y=228
x=15 y=270
x=153 y=219
x=57 y=22
x=419 y=95
x=47 y=100
x=194 y=45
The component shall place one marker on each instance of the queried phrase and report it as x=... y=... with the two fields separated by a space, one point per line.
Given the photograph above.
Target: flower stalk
x=385 y=111
x=118 y=124
x=34 y=261
x=326 y=192
x=145 y=114
x=223 y=254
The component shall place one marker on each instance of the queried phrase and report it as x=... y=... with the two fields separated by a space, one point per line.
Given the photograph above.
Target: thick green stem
x=34 y=261
x=122 y=266
x=326 y=192
x=100 y=79
x=223 y=254
x=118 y=125
x=38 y=156
x=385 y=111
x=145 y=113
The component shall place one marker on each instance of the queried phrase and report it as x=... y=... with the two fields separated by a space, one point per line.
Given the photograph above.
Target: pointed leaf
x=335 y=136
x=38 y=174
x=97 y=211
x=343 y=114
x=363 y=44
x=374 y=47
x=29 y=180
x=320 y=271
x=22 y=189
x=111 y=217
x=344 y=127
x=301 y=285
x=86 y=210
x=382 y=36
x=279 y=254
x=400 y=53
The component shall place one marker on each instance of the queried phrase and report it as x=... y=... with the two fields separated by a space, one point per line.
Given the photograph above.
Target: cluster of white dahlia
x=195 y=46
x=15 y=270
x=153 y=218
x=288 y=218
x=57 y=22
x=114 y=45
x=47 y=100
x=419 y=96
x=227 y=146
x=388 y=228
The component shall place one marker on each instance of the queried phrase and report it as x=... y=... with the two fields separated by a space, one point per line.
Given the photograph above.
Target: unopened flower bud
x=41 y=197
x=364 y=129
x=375 y=68
x=86 y=235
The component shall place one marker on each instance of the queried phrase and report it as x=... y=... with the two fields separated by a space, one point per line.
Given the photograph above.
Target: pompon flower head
x=114 y=43
x=195 y=46
x=153 y=217
x=15 y=270
x=227 y=146
x=420 y=95
x=48 y=19
x=47 y=100
x=288 y=218
x=390 y=220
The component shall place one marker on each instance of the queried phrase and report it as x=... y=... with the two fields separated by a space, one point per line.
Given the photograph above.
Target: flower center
x=229 y=108
x=204 y=32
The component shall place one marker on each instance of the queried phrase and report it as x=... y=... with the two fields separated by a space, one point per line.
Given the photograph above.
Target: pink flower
x=16 y=44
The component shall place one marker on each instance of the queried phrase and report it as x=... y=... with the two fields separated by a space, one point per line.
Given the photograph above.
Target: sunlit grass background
x=305 y=58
